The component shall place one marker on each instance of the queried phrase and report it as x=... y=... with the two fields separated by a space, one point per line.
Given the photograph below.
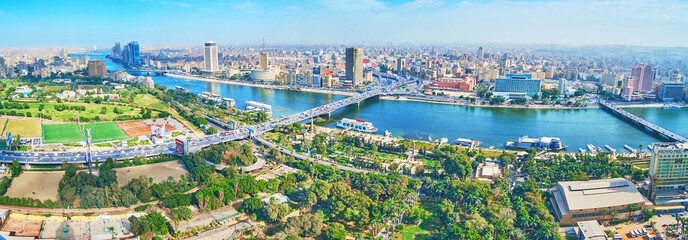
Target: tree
x=181 y=214
x=336 y=231
x=307 y=225
x=252 y=205
x=16 y=168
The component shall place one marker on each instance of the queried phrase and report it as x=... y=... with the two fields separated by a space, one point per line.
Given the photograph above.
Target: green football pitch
x=61 y=133
x=105 y=131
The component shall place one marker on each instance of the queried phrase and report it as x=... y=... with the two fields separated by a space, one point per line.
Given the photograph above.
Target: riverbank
x=258 y=85
x=543 y=107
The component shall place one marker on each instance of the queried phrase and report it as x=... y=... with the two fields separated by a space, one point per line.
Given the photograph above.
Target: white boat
x=610 y=148
x=591 y=148
x=649 y=147
x=356 y=125
x=542 y=143
x=442 y=140
x=581 y=150
x=630 y=149
x=388 y=134
x=671 y=106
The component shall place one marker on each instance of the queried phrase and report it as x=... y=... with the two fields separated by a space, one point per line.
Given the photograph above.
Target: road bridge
x=169 y=148
x=647 y=125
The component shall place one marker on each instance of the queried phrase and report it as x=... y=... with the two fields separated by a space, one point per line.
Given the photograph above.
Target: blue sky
x=103 y=22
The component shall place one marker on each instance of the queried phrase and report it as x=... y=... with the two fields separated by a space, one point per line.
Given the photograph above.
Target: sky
x=85 y=23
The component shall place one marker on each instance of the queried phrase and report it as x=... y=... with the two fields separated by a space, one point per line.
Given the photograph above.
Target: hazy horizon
x=82 y=23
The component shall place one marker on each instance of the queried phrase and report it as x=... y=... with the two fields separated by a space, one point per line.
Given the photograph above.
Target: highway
x=56 y=158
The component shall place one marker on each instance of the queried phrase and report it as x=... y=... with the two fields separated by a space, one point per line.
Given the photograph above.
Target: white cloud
x=206 y=9
x=421 y=4
x=164 y=2
x=183 y=4
x=356 y=6
x=292 y=8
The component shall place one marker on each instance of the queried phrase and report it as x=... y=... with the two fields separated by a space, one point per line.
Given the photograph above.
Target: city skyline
x=83 y=23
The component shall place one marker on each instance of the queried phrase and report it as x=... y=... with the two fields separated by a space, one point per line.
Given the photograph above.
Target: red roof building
x=464 y=84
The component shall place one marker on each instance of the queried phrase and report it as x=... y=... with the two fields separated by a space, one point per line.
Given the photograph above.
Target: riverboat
x=356 y=125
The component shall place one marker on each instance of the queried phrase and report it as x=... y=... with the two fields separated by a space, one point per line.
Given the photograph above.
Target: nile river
x=491 y=126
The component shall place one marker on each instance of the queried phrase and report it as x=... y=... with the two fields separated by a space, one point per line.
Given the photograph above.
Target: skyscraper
x=481 y=53
x=210 y=57
x=401 y=65
x=117 y=50
x=644 y=77
x=354 y=65
x=131 y=55
x=263 y=61
x=96 y=68
x=563 y=86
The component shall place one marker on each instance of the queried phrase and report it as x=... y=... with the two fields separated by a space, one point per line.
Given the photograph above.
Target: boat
x=671 y=106
x=465 y=142
x=542 y=143
x=388 y=134
x=600 y=149
x=591 y=148
x=356 y=125
x=581 y=150
x=610 y=148
x=649 y=147
x=630 y=149
x=442 y=140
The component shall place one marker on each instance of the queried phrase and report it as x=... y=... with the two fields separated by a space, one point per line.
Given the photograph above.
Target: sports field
x=104 y=131
x=39 y=185
x=61 y=133
x=23 y=127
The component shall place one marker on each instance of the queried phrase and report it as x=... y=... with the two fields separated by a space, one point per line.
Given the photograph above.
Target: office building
x=401 y=65
x=628 y=92
x=676 y=76
x=644 y=77
x=563 y=86
x=577 y=201
x=591 y=230
x=263 y=60
x=671 y=91
x=669 y=174
x=210 y=57
x=354 y=65
x=516 y=86
x=481 y=53
x=131 y=55
x=116 y=51
x=96 y=68
x=462 y=84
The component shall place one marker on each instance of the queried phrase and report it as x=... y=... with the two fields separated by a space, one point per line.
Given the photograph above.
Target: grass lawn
x=23 y=128
x=411 y=232
x=60 y=133
x=92 y=110
x=147 y=100
x=104 y=131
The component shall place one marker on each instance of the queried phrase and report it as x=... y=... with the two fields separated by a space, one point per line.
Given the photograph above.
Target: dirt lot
x=40 y=185
x=158 y=171
x=23 y=227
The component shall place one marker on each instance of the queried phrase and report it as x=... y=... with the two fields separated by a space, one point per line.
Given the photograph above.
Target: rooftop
x=580 y=195
x=592 y=230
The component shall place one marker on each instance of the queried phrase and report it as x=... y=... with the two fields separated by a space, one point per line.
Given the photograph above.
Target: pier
x=648 y=126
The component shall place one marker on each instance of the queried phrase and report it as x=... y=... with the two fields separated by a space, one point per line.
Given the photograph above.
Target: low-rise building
x=591 y=230
x=463 y=84
x=517 y=85
x=604 y=199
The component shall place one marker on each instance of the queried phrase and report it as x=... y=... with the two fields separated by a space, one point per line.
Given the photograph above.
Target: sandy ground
x=40 y=185
x=158 y=171
x=257 y=85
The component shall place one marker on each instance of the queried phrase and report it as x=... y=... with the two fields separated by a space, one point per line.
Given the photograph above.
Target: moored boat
x=356 y=125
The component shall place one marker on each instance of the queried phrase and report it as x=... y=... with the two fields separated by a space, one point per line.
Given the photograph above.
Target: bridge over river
x=56 y=158
x=647 y=125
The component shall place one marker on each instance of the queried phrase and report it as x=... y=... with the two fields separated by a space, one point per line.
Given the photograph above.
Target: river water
x=491 y=126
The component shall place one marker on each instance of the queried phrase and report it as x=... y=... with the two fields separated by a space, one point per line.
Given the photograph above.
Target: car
x=333 y=164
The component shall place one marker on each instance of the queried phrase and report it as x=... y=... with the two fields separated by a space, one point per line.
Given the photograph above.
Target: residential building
x=644 y=77
x=563 y=86
x=669 y=174
x=96 y=68
x=354 y=65
x=591 y=230
x=671 y=91
x=577 y=201
x=210 y=57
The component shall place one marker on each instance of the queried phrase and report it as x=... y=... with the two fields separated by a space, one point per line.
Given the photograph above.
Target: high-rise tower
x=210 y=57
x=354 y=65
x=263 y=61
